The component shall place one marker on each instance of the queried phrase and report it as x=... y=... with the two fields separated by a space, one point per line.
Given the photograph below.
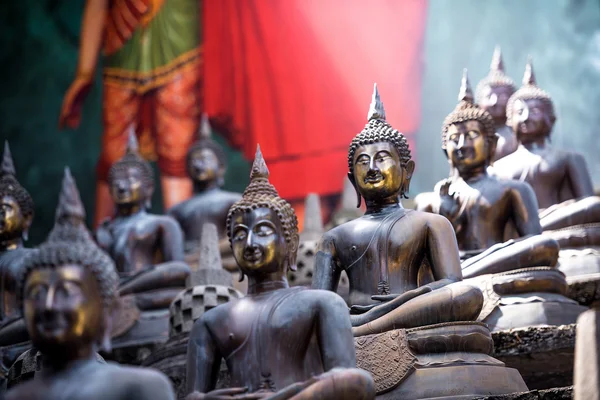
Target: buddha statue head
x=131 y=179
x=493 y=91
x=206 y=160
x=16 y=205
x=262 y=227
x=68 y=288
x=468 y=134
x=530 y=111
x=379 y=161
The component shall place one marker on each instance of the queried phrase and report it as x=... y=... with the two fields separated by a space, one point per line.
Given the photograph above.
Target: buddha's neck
x=535 y=144
x=473 y=173
x=205 y=186
x=128 y=210
x=267 y=283
x=380 y=205
x=11 y=244
x=66 y=360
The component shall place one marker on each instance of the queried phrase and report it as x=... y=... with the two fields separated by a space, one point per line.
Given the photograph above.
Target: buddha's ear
x=221 y=176
x=26 y=226
x=409 y=169
x=492 y=143
x=109 y=314
x=353 y=182
x=292 y=251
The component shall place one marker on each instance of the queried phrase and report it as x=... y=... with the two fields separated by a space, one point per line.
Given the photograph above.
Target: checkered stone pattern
x=190 y=304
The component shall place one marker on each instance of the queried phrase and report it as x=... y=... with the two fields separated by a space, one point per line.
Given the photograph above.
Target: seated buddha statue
x=147 y=248
x=206 y=166
x=16 y=214
x=413 y=318
x=254 y=333
x=560 y=179
x=68 y=291
x=492 y=94
x=482 y=208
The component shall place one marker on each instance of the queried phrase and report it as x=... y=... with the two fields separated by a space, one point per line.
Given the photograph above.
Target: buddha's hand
x=70 y=113
x=238 y=393
x=449 y=202
x=389 y=301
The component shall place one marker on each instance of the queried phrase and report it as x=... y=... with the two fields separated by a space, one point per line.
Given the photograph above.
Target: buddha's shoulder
x=140 y=380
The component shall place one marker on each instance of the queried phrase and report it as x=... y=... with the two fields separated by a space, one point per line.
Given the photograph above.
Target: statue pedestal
x=563 y=393
x=543 y=355
x=581 y=266
x=437 y=361
x=526 y=297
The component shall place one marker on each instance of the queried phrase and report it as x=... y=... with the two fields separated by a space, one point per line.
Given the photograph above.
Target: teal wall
x=39 y=51
x=563 y=37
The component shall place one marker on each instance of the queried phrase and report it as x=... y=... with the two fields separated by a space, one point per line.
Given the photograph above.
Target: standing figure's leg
x=178 y=106
x=120 y=109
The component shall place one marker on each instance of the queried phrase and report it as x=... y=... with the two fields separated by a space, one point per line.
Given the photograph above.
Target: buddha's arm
x=203 y=359
x=326 y=274
x=172 y=241
x=442 y=251
x=579 y=176
x=334 y=333
x=525 y=209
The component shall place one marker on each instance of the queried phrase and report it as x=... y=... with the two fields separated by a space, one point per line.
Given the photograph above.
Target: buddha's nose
x=121 y=186
x=461 y=142
x=524 y=115
x=493 y=99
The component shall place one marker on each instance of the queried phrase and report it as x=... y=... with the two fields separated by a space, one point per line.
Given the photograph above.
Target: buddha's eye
x=264 y=230
x=36 y=292
x=364 y=160
x=239 y=234
x=473 y=134
x=453 y=138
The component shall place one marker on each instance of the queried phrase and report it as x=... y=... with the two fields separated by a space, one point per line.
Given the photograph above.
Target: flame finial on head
x=497 y=62
x=132 y=142
x=529 y=75
x=259 y=167
x=465 y=93
x=205 y=131
x=69 y=201
x=376 y=110
x=8 y=166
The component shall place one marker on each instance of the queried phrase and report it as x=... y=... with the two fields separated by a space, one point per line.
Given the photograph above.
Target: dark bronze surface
x=147 y=248
x=276 y=341
x=483 y=209
x=383 y=251
x=206 y=166
x=69 y=291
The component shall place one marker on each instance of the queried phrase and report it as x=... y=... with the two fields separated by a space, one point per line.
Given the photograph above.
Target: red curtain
x=296 y=76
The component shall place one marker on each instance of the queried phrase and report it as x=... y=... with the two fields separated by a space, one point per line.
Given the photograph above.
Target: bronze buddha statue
x=569 y=210
x=560 y=178
x=483 y=208
x=68 y=290
x=382 y=252
x=413 y=319
x=147 y=248
x=16 y=214
x=206 y=166
x=278 y=341
x=492 y=94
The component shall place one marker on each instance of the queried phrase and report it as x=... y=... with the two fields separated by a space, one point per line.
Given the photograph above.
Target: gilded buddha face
x=258 y=241
x=530 y=119
x=378 y=172
x=204 y=166
x=12 y=221
x=126 y=186
x=466 y=145
x=63 y=308
x=494 y=100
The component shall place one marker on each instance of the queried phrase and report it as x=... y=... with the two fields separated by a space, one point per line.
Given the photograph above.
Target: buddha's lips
x=374 y=178
x=465 y=153
x=252 y=255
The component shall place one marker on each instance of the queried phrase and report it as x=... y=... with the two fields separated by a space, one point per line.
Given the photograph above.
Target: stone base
x=584 y=289
x=439 y=361
x=564 y=393
x=171 y=359
x=582 y=269
x=543 y=355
